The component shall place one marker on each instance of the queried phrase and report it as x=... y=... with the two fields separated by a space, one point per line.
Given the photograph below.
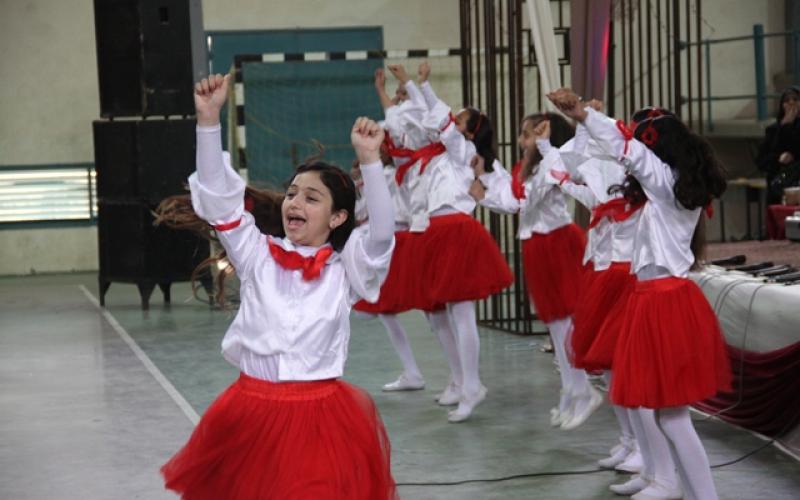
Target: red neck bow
x=616 y=210
x=426 y=154
x=311 y=266
x=517 y=186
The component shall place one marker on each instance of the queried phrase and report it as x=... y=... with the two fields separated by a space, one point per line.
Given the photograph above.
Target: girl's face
x=527 y=139
x=307 y=210
x=462 y=118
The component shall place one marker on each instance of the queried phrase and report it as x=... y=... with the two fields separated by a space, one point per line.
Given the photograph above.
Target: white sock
x=658 y=447
x=399 y=340
x=676 y=423
x=440 y=324
x=465 y=327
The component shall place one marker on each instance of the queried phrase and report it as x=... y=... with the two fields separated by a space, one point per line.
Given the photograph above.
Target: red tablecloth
x=776 y=220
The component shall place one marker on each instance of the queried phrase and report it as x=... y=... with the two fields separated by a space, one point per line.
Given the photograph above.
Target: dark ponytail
x=480 y=127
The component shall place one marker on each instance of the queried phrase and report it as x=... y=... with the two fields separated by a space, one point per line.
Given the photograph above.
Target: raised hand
x=569 y=103
x=478 y=165
x=424 y=72
x=542 y=130
x=367 y=137
x=380 y=79
x=596 y=105
x=399 y=72
x=210 y=95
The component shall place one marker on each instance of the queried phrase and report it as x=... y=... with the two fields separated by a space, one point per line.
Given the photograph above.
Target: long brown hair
x=176 y=212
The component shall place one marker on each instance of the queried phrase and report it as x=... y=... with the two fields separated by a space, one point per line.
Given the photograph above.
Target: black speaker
x=149 y=54
x=143 y=160
x=133 y=250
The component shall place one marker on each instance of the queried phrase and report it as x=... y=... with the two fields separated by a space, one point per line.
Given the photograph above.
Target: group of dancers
x=398 y=233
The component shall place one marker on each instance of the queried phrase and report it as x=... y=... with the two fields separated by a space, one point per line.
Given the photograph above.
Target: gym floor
x=93 y=401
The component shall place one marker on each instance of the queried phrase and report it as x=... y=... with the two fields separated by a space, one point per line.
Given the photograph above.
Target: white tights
x=574 y=382
x=457 y=331
x=399 y=340
x=623 y=418
x=688 y=452
x=654 y=447
x=465 y=326
x=440 y=324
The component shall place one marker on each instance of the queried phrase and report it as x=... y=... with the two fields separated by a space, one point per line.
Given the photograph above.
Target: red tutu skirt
x=294 y=440
x=600 y=355
x=553 y=265
x=460 y=261
x=670 y=351
x=600 y=295
x=400 y=291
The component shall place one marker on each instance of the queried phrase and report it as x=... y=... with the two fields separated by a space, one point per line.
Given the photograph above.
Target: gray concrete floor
x=81 y=417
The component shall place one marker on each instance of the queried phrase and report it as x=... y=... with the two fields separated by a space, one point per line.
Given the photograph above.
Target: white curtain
x=544 y=44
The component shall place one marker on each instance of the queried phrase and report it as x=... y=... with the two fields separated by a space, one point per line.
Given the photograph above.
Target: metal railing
x=761 y=95
x=47 y=193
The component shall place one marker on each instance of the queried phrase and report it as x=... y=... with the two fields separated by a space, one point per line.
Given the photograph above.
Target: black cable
x=507 y=478
x=574 y=473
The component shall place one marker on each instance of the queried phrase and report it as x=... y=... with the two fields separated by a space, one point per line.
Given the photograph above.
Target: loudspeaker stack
x=149 y=54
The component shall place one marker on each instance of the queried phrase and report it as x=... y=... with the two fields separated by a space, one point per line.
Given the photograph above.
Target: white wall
x=30 y=251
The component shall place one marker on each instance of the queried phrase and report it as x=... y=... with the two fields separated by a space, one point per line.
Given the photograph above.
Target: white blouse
x=287 y=328
x=404 y=124
x=608 y=241
x=450 y=174
x=544 y=208
x=663 y=235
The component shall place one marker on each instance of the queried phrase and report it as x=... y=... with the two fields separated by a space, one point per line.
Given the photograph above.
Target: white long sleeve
x=218 y=198
x=664 y=232
x=581 y=193
x=414 y=93
x=209 y=158
x=499 y=197
x=655 y=176
x=430 y=96
x=380 y=209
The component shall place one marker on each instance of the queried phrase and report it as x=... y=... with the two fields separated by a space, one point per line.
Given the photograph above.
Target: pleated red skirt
x=598 y=299
x=670 y=351
x=294 y=440
x=553 y=265
x=400 y=291
x=460 y=261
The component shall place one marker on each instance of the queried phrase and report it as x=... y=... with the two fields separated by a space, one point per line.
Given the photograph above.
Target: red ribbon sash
x=616 y=210
x=426 y=154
